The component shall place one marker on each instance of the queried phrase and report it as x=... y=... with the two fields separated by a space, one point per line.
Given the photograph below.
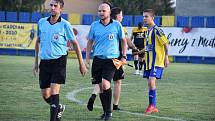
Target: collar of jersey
x=111 y=21
x=58 y=20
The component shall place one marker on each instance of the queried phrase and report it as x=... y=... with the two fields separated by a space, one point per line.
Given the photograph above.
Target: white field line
x=72 y=96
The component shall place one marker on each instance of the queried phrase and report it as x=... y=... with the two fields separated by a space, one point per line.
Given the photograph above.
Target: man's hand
x=35 y=69
x=83 y=69
x=123 y=60
x=141 y=51
x=135 y=51
x=118 y=63
x=87 y=64
x=166 y=61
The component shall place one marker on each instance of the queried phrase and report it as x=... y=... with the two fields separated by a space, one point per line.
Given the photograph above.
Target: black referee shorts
x=119 y=74
x=52 y=71
x=102 y=68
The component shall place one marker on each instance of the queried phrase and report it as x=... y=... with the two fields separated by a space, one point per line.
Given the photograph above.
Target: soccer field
x=186 y=92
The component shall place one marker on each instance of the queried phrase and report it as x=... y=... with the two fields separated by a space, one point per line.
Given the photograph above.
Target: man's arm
x=124 y=48
x=88 y=51
x=35 y=68
x=132 y=37
x=82 y=66
x=166 y=59
x=130 y=44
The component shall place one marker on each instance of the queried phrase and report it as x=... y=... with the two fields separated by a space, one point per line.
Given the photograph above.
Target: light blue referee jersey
x=106 y=39
x=54 y=37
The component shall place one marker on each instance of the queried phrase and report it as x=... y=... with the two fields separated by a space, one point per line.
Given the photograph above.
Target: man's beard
x=103 y=18
x=54 y=15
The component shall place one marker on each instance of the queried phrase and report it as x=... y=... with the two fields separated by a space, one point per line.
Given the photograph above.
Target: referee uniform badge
x=110 y=36
x=55 y=37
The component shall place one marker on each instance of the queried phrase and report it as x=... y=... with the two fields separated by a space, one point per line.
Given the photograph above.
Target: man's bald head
x=105 y=6
x=104 y=11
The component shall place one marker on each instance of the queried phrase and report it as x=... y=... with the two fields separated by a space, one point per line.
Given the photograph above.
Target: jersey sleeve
x=133 y=31
x=69 y=34
x=121 y=32
x=38 y=28
x=161 y=36
x=91 y=33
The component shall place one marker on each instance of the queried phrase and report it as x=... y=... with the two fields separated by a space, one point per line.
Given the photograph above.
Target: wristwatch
x=125 y=57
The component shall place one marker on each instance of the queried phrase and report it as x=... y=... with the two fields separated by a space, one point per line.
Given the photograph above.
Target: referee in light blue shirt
x=53 y=34
x=104 y=37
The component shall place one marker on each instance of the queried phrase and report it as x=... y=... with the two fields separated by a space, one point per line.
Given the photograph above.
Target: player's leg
x=45 y=81
x=136 y=65
x=96 y=91
x=55 y=89
x=96 y=80
x=152 y=96
x=46 y=94
x=107 y=76
x=152 y=91
x=140 y=66
x=58 y=77
x=141 y=62
x=155 y=74
x=116 y=94
x=107 y=97
x=118 y=77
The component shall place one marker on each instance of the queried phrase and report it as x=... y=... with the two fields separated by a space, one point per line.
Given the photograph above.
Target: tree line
x=130 y=7
x=136 y=7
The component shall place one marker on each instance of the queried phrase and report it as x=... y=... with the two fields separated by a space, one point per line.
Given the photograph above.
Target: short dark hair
x=140 y=25
x=60 y=1
x=108 y=3
x=151 y=11
x=115 y=11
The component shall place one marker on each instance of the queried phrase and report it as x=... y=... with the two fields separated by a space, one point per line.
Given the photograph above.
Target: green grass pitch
x=186 y=92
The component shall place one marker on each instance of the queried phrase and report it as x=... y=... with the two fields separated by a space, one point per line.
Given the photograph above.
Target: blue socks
x=152 y=97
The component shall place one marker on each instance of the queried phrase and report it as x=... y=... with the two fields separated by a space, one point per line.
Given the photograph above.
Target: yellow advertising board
x=18 y=35
x=72 y=54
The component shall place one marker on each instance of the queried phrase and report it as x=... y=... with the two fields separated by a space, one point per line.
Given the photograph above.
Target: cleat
x=141 y=73
x=102 y=117
x=108 y=116
x=61 y=109
x=136 y=72
x=115 y=107
x=151 y=109
x=90 y=103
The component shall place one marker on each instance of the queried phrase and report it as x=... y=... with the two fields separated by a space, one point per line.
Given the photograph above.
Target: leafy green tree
x=21 y=5
x=136 y=7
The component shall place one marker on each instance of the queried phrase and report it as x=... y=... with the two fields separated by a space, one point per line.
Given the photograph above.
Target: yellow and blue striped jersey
x=155 y=51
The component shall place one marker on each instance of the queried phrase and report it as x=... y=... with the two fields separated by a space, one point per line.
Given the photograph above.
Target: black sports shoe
x=108 y=116
x=61 y=109
x=91 y=102
x=102 y=117
x=115 y=107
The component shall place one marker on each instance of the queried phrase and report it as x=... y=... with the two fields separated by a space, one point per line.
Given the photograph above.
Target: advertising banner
x=17 y=35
